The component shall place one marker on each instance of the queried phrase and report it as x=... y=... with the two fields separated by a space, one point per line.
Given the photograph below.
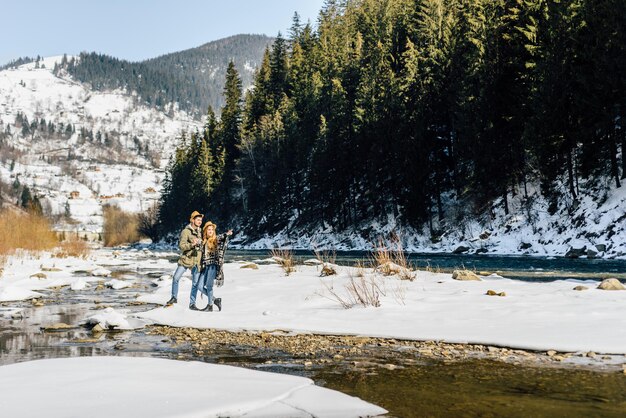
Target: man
x=190 y=245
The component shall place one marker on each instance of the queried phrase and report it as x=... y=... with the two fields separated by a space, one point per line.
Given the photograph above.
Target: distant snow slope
x=76 y=176
x=37 y=92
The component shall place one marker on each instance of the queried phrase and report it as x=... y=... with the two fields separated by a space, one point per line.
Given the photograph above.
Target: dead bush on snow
x=284 y=257
x=391 y=260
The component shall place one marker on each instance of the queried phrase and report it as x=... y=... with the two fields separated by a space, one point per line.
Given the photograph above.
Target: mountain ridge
x=192 y=78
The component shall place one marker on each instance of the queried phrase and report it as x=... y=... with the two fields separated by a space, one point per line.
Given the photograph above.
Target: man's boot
x=171 y=301
x=218 y=303
x=209 y=308
x=193 y=307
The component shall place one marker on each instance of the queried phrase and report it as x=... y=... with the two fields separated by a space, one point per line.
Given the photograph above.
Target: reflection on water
x=22 y=339
x=485 y=389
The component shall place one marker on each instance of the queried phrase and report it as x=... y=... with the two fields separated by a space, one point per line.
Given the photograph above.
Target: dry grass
x=436 y=269
x=73 y=248
x=284 y=257
x=327 y=260
x=391 y=259
x=119 y=227
x=360 y=269
x=326 y=256
x=25 y=231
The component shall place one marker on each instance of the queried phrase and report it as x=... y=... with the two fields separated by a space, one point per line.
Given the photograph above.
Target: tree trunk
x=570 y=174
x=430 y=221
x=505 y=200
x=614 y=168
x=455 y=173
x=439 y=204
x=623 y=138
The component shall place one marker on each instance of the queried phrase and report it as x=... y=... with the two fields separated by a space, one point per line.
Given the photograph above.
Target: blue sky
x=137 y=29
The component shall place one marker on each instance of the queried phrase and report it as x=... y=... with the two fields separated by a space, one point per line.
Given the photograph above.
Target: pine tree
x=26 y=198
x=258 y=101
x=391 y=107
x=201 y=181
x=229 y=138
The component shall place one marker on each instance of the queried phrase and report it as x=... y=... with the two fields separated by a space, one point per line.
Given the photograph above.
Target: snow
x=133 y=189
x=117 y=284
x=109 y=318
x=17 y=284
x=13 y=293
x=534 y=316
x=79 y=284
x=9 y=312
x=126 y=386
x=38 y=92
x=100 y=272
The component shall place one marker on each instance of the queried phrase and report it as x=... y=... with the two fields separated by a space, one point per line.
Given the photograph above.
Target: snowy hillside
x=81 y=193
x=131 y=127
x=594 y=226
x=78 y=149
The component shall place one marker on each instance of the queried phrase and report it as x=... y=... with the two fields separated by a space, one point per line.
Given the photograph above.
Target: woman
x=213 y=249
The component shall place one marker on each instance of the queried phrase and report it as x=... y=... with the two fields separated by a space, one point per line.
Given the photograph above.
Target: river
x=414 y=386
x=527 y=268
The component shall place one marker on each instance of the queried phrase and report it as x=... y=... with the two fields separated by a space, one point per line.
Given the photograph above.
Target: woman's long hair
x=211 y=243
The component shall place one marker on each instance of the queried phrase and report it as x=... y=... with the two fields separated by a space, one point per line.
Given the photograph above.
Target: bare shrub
x=148 y=223
x=284 y=257
x=382 y=255
x=119 y=227
x=364 y=291
x=344 y=301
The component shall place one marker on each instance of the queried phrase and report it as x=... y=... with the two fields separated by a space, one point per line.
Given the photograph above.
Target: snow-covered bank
x=594 y=226
x=25 y=273
x=535 y=316
x=146 y=387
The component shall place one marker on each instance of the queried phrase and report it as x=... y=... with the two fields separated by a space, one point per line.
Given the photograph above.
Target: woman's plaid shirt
x=213 y=257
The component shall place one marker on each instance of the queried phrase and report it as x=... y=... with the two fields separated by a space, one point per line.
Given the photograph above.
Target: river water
x=416 y=387
x=527 y=268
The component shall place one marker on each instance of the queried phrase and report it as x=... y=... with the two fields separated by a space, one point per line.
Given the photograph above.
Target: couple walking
x=202 y=252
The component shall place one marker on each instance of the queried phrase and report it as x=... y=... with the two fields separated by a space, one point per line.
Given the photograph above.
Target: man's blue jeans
x=178 y=273
x=205 y=283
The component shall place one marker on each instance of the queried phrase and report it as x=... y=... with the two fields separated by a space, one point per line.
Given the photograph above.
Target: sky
x=137 y=29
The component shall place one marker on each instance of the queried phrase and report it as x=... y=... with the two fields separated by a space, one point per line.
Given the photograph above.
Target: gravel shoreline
x=364 y=352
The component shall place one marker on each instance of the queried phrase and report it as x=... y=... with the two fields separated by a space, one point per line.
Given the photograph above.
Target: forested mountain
x=416 y=112
x=192 y=78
